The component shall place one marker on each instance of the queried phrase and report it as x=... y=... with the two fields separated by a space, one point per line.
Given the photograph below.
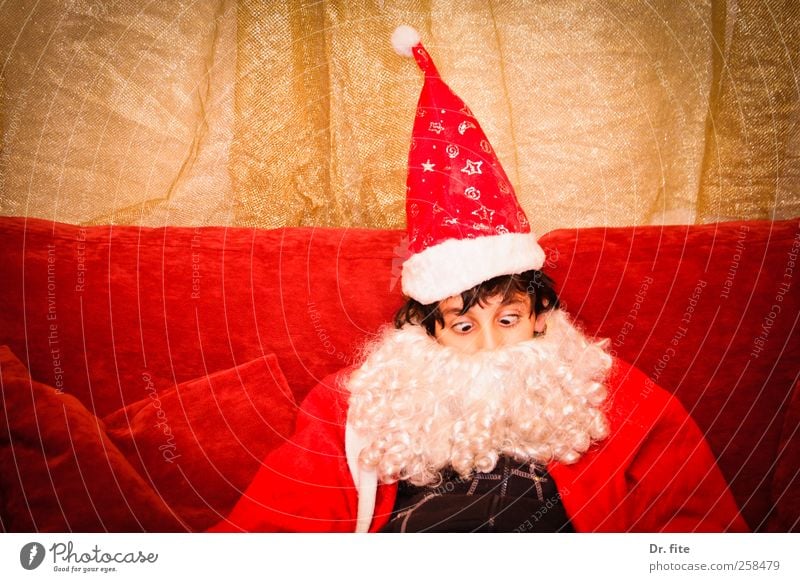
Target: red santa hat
x=464 y=222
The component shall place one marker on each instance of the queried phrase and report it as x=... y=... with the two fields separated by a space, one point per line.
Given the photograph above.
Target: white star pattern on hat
x=472 y=168
x=483 y=213
x=436 y=127
x=428 y=166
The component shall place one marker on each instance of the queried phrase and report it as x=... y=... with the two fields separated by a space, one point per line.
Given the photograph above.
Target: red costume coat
x=654 y=472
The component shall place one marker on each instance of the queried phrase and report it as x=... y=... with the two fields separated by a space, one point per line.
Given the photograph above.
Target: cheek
x=454 y=340
x=524 y=330
x=448 y=338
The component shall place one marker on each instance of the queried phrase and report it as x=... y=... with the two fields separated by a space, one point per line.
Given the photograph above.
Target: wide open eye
x=509 y=319
x=462 y=327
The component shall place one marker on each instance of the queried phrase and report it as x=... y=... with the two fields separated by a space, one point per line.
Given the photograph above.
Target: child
x=484 y=408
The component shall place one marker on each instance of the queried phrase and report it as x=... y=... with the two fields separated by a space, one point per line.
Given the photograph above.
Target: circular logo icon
x=31 y=555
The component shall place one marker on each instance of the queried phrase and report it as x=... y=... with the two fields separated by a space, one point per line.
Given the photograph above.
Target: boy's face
x=487 y=327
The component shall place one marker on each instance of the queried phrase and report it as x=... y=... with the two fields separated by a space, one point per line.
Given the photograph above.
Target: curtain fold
x=752 y=148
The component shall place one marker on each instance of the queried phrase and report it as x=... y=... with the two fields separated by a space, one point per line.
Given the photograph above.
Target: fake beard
x=423 y=406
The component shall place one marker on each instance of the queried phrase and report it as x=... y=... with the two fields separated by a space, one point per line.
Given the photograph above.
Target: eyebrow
x=509 y=301
x=450 y=310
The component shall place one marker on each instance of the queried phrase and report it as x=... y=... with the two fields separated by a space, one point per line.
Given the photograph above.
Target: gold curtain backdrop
x=270 y=114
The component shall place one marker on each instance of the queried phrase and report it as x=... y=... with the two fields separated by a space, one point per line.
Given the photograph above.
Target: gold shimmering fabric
x=256 y=113
x=323 y=114
x=115 y=112
x=752 y=154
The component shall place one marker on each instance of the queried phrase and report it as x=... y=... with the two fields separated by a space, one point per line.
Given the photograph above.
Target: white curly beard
x=423 y=406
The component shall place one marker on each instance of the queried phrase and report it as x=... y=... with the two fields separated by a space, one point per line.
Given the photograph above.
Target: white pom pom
x=403 y=39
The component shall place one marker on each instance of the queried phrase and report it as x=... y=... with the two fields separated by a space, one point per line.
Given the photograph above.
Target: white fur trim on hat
x=455 y=265
x=404 y=38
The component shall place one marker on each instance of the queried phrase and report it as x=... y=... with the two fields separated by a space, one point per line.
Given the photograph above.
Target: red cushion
x=200 y=443
x=58 y=469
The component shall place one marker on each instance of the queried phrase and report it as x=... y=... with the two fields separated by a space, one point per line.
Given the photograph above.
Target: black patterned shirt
x=514 y=497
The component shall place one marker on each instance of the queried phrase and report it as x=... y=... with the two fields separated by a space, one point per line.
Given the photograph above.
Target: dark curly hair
x=538 y=286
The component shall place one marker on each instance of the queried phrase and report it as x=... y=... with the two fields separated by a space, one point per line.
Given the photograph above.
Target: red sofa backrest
x=178 y=303
x=709 y=312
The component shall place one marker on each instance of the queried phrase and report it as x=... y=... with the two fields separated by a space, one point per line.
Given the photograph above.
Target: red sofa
x=146 y=372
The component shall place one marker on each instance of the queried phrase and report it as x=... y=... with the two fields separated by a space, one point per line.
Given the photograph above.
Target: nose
x=488 y=339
